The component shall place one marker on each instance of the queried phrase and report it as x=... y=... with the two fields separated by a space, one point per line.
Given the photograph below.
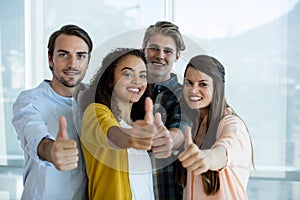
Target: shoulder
x=98 y=114
x=34 y=93
x=98 y=108
x=231 y=123
x=230 y=117
x=172 y=86
x=176 y=87
x=174 y=81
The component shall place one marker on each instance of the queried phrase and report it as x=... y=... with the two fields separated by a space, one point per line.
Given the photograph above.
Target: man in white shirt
x=54 y=165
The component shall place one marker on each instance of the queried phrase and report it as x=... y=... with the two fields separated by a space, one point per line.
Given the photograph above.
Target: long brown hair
x=213 y=68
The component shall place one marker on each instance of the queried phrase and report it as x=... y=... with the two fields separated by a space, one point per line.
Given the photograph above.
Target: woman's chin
x=134 y=100
x=193 y=106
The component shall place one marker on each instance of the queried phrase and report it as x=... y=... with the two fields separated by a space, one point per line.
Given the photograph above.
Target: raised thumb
x=187 y=137
x=157 y=120
x=62 y=132
x=149 y=110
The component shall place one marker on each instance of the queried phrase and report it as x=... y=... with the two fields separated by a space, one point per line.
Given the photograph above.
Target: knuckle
x=76 y=152
x=56 y=147
x=76 y=159
x=59 y=167
x=75 y=165
x=74 y=143
x=56 y=156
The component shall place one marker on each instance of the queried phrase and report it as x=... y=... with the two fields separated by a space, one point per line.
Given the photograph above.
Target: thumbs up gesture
x=62 y=131
x=148 y=119
x=142 y=132
x=162 y=141
x=193 y=159
x=64 y=152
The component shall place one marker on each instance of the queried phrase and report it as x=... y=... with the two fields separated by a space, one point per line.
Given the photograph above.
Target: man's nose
x=72 y=62
x=160 y=53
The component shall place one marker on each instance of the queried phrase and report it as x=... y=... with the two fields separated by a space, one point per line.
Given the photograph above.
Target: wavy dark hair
x=101 y=87
x=213 y=68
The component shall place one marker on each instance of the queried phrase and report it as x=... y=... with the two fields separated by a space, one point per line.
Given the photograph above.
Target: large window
x=25 y=27
x=12 y=73
x=257 y=41
x=258 y=44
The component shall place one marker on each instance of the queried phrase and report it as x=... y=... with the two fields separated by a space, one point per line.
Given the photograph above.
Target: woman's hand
x=199 y=161
x=193 y=159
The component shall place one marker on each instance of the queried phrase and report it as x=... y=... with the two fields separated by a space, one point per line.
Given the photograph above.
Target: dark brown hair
x=69 y=30
x=213 y=68
x=102 y=84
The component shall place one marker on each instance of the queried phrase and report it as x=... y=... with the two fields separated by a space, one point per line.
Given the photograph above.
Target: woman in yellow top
x=218 y=160
x=115 y=148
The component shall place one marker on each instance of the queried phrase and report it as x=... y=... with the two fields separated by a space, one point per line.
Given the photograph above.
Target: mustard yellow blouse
x=107 y=168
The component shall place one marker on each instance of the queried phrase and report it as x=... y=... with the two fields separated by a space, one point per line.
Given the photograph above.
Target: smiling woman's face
x=130 y=79
x=197 y=89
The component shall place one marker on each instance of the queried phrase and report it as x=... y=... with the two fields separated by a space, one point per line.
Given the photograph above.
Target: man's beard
x=66 y=83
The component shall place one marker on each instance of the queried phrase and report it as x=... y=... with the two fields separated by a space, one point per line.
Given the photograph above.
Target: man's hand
x=62 y=153
x=162 y=142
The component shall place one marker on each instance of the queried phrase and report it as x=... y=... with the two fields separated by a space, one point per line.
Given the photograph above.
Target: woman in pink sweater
x=218 y=160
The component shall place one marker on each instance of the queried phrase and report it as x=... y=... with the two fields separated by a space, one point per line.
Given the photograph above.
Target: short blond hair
x=167 y=29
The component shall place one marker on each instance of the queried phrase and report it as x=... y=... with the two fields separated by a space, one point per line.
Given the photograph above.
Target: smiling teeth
x=158 y=64
x=195 y=98
x=133 y=89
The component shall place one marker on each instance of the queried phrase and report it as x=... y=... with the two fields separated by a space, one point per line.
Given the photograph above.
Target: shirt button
x=129 y=196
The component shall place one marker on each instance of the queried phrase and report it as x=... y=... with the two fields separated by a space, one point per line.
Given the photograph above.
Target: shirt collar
x=169 y=83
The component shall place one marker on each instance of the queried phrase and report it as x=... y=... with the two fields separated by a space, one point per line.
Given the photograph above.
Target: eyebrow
x=166 y=48
x=131 y=69
x=153 y=45
x=169 y=49
x=64 y=51
x=204 y=80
